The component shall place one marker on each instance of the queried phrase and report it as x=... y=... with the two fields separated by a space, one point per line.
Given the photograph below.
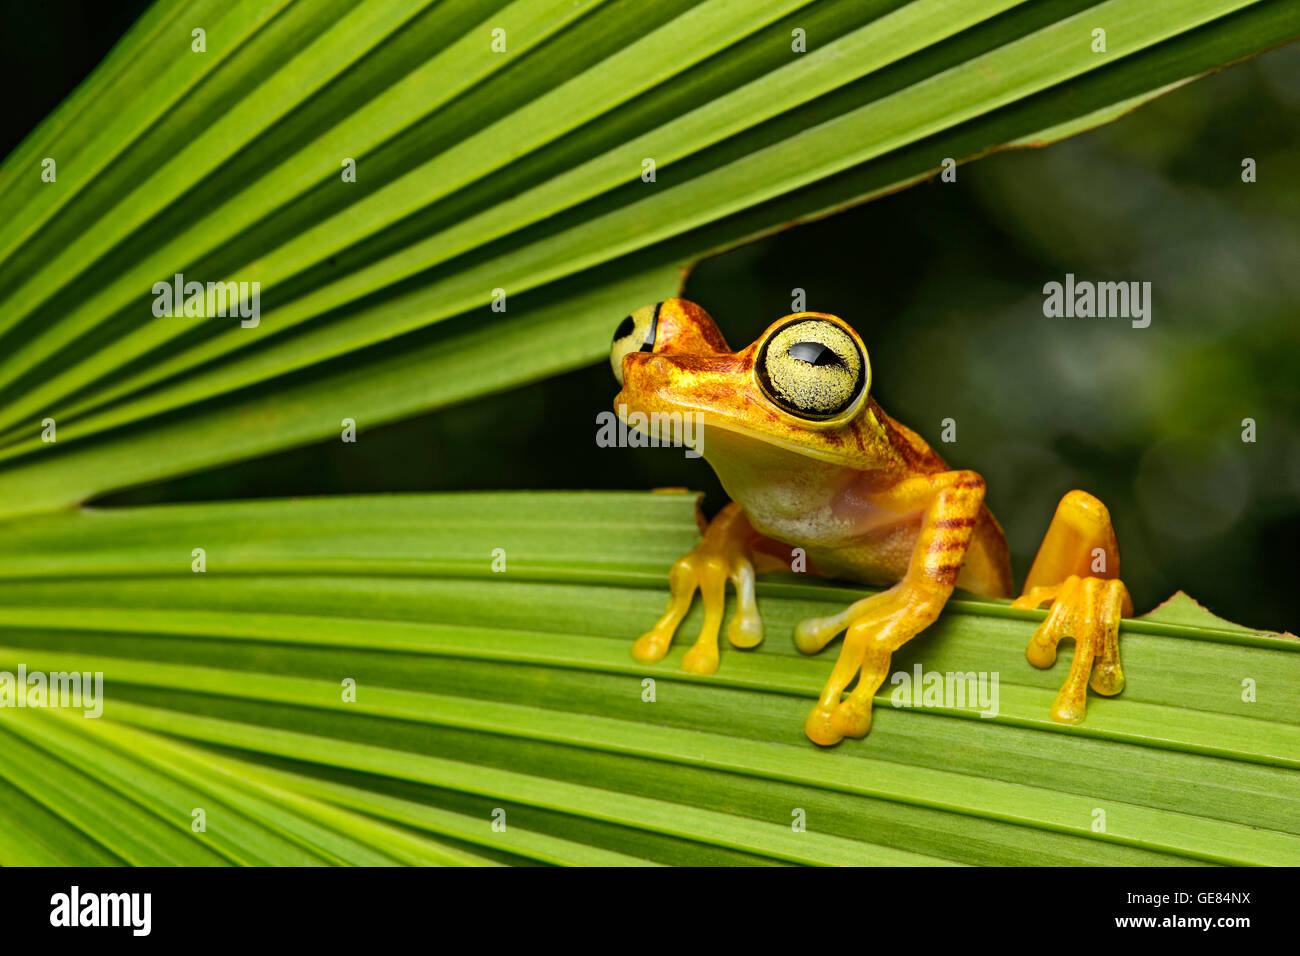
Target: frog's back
x=908 y=445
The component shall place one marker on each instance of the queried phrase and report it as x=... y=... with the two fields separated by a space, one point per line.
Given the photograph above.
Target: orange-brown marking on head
x=802 y=385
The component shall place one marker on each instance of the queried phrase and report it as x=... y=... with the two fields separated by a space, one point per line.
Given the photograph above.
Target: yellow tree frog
x=811 y=461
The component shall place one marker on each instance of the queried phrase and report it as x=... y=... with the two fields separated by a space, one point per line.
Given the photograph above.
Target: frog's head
x=801 y=386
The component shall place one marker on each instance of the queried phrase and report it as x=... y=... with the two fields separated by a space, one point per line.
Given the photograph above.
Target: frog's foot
x=1077 y=569
x=880 y=624
x=723 y=554
x=1089 y=610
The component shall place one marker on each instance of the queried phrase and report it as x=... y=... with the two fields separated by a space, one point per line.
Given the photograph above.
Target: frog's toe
x=683 y=579
x=651 y=647
x=701 y=659
x=852 y=718
x=1089 y=610
x=819 y=726
x=814 y=633
x=746 y=627
x=745 y=630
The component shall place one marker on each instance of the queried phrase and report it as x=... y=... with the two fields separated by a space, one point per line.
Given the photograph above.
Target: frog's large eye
x=636 y=333
x=812 y=368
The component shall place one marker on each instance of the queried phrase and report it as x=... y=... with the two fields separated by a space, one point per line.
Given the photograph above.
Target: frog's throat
x=707 y=420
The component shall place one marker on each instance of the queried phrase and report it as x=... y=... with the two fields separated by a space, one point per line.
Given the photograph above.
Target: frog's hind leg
x=726 y=552
x=986 y=569
x=1077 y=570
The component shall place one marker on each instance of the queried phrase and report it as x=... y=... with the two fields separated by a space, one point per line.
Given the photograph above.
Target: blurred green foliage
x=944 y=281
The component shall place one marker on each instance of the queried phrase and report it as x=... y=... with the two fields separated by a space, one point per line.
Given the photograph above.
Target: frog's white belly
x=870 y=546
x=811 y=505
x=798 y=512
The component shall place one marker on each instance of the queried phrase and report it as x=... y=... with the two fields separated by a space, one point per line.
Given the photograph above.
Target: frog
x=819 y=475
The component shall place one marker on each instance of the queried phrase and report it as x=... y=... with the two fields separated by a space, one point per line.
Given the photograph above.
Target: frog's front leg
x=1077 y=570
x=950 y=502
x=727 y=551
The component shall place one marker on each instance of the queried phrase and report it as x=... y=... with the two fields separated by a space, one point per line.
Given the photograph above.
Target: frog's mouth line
x=712 y=420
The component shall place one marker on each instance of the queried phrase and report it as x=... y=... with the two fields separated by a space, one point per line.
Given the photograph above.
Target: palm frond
x=478 y=171
x=481 y=690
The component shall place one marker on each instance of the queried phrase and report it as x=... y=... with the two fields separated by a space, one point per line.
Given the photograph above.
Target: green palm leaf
x=479 y=689
x=478 y=170
x=480 y=693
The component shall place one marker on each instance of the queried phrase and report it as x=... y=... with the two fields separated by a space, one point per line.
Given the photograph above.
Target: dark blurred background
x=944 y=281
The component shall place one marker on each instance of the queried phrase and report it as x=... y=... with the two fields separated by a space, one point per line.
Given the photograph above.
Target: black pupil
x=814 y=353
x=624 y=329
